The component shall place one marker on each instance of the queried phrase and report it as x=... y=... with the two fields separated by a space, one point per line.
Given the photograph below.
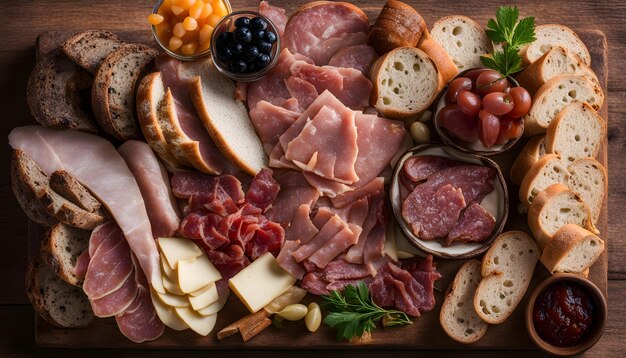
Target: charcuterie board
x=425 y=331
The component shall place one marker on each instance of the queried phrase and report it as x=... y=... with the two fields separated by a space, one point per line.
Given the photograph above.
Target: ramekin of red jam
x=566 y=314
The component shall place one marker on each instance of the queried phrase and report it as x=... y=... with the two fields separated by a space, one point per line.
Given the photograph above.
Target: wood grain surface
x=28 y=19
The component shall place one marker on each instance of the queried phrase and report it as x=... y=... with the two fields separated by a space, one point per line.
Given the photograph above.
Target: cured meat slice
x=341 y=284
x=139 y=322
x=475 y=225
x=339 y=269
x=335 y=44
x=82 y=262
x=109 y=267
x=154 y=184
x=294 y=191
x=269 y=238
x=301 y=227
x=359 y=57
x=275 y=14
x=309 y=29
x=322 y=216
x=376 y=205
x=476 y=181
x=229 y=262
x=374 y=246
x=337 y=244
x=99 y=234
x=375 y=186
x=186 y=184
x=270 y=122
x=263 y=190
x=433 y=216
x=303 y=91
x=314 y=284
x=117 y=301
x=330 y=229
x=287 y=262
x=417 y=169
x=425 y=273
x=241 y=91
x=327 y=187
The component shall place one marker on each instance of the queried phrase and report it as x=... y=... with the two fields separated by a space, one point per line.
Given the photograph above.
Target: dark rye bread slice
x=68 y=187
x=58 y=94
x=60 y=249
x=89 y=48
x=69 y=213
x=113 y=92
x=29 y=183
x=56 y=301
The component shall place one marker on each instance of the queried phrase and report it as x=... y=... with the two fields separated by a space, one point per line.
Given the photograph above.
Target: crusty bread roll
x=398 y=25
x=530 y=154
x=572 y=249
x=549 y=36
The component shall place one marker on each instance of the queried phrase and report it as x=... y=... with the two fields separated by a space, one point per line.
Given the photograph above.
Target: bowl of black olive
x=245 y=45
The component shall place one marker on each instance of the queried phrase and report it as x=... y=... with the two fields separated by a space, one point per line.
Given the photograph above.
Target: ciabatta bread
x=464 y=39
x=29 y=183
x=530 y=154
x=398 y=25
x=507 y=269
x=445 y=65
x=61 y=247
x=572 y=249
x=89 y=48
x=458 y=317
x=575 y=133
x=549 y=36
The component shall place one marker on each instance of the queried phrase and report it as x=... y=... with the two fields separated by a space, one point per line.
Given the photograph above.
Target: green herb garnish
x=353 y=313
x=512 y=35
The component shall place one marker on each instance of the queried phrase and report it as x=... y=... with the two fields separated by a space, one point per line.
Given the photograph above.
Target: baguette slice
x=507 y=269
x=548 y=170
x=406 y=82
x=61 y=247
x=530 y=154
x=558 y=61
x=89 y=48
x=29 y=183
x=56 y=301
x=464 y=39
x=555 y=207
x=458 y=317
x=445 y=65
x=69 y=188
x=549 y=36
x=555 y=95
x=588 y=178
x=572 y=249
x=575 y=133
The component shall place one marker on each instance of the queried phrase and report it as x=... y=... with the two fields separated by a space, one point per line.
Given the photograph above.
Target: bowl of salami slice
x=448 y=203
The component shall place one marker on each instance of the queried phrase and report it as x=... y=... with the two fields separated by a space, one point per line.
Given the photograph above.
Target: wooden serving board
x=424 y=333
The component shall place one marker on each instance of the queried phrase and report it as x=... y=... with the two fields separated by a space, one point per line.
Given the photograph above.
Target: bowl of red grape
x=481 y=111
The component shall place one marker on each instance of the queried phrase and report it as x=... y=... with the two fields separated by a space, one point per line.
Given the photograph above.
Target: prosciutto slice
x=117 y=301
x=95 y=163
x=139 y=322
x=359 y=57
x=330 y=229
x=342 y=240
x=303 y=91
x=294 y=192
x=270 y=122
x=301 y=227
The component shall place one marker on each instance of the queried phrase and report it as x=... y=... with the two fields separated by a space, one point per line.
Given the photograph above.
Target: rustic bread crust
x=69 y=213
x=586 y=58
x=529 y=155
x=525 y=193
x=29 y=183
x=89 y=48
x=62 y=258
x=445 y=65
x=562 y=116
x=563 y=242
x=398 y=25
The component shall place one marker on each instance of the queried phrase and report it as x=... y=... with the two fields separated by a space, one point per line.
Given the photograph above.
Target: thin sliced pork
x=359 y=57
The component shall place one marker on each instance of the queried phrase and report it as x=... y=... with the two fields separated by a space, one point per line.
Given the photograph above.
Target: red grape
x=469 y=103
x=510 y=128
x=491 y=81
x=456 y=86
x=473 y=74
x=458 y=124
x=488 y=128
x=521 y=99
x=498 y=103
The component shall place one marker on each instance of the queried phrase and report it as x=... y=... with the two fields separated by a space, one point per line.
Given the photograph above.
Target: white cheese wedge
x=173 y=300
x=261 y=282
x=200 y=324
x=166 y=269
x=214 y=307
x=177 y=249
x=194 y=274
x=166 y=314
x=204 y=299
x=171 y=285
x=391 y=248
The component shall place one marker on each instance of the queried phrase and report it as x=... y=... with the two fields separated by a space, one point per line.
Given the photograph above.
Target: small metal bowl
x=600 y=315
x=228 y=24
x=477 y=147
x=496 y=202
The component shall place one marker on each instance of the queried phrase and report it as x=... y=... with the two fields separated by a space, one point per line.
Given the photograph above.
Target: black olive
x=243 y=35
x=251 y=53
x=258 y=23
x=224 y=53
x=270 y=37
x=258 y=35
x=238 y=66
x=236 y=49
x=242 y=21
x=264 y=47
x=263 y=60
x=224 y=38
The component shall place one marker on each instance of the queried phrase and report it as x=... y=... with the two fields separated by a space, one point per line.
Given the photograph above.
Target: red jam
x=563 y=314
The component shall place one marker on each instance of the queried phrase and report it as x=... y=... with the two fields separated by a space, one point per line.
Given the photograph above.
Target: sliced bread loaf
x=575 y=133
x=464 y=39
x=29 y=183
x=56 y=301
x=558 y=61
x=89 y=48
x=113 y=92
x=445 y=65
x=406 y=81
x=555 y=95
x=572 y=249
x=458 y=317
x=58 y=94
x=588 y=178
x=507 y=269
x=68 y=187
x=61 y=247
x=555 y=207
x=548 y=170
x=549 y=36
x=530 y=154
x=69 y=213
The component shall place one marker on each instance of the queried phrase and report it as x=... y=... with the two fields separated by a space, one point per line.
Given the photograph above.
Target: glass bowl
x=228 y=24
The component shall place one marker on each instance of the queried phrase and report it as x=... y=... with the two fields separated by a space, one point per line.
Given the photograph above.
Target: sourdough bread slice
x=549 y=36
x=445 y=65
x=530 y=154
x=558 y=61
x=29 y=183
x=458 y=317
x=555 y=95
x=588 y=178
x=89 y=48
x=464 y=39
x=507 y=269
x=58 y=94
x=69 y=188
x=575 y=133
x=55 y=300
x=61 y=247
x=405 y=82
x=572 y=249
x=113 y=92
x=555 y=207
x=548 y=170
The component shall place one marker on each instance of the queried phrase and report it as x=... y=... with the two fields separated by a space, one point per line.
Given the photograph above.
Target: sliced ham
x=117 y=301
x=275 y=14
x=374 y=217
x=330 y=229
x=373 y=187
x=82 y=262
x=99 y=234
x=287 y=262
x=337 y=244
x=154 y=184
x=95 y=163
x=139 y=322
x=475 y=225
x=327 y=187
x=294 y=191
x=359 y=57
x=303 y=91
x=270 y=122
x=301 y=227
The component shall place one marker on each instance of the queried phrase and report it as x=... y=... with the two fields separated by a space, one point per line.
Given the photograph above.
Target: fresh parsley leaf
x=524 y=33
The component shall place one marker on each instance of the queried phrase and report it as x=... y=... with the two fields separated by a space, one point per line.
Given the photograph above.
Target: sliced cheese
x=204 y=299
x=177 y=249
x=195 y=273
x=166 y=269
x=261 y=282
x=214 y=307
x=166 y=314
x=171 y=285
x=200 y=324
x=173 y=300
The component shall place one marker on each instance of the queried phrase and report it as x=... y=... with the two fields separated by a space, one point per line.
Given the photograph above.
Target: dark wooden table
x=22 y=21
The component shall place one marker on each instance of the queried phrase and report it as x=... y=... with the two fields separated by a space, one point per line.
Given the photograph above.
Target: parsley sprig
x=353 y=312
x=512 y=35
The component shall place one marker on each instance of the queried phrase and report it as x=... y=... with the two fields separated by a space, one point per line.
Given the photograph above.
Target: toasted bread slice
x=507 y=269
x=464 y=39
x=68 y=187
x=588 y=178
x=572 y=249
x=575 y=133
x=458 y=317
x=89 y=48
x=549 y=36
x=58 y=92
x=530 y=154
x=61 y=247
